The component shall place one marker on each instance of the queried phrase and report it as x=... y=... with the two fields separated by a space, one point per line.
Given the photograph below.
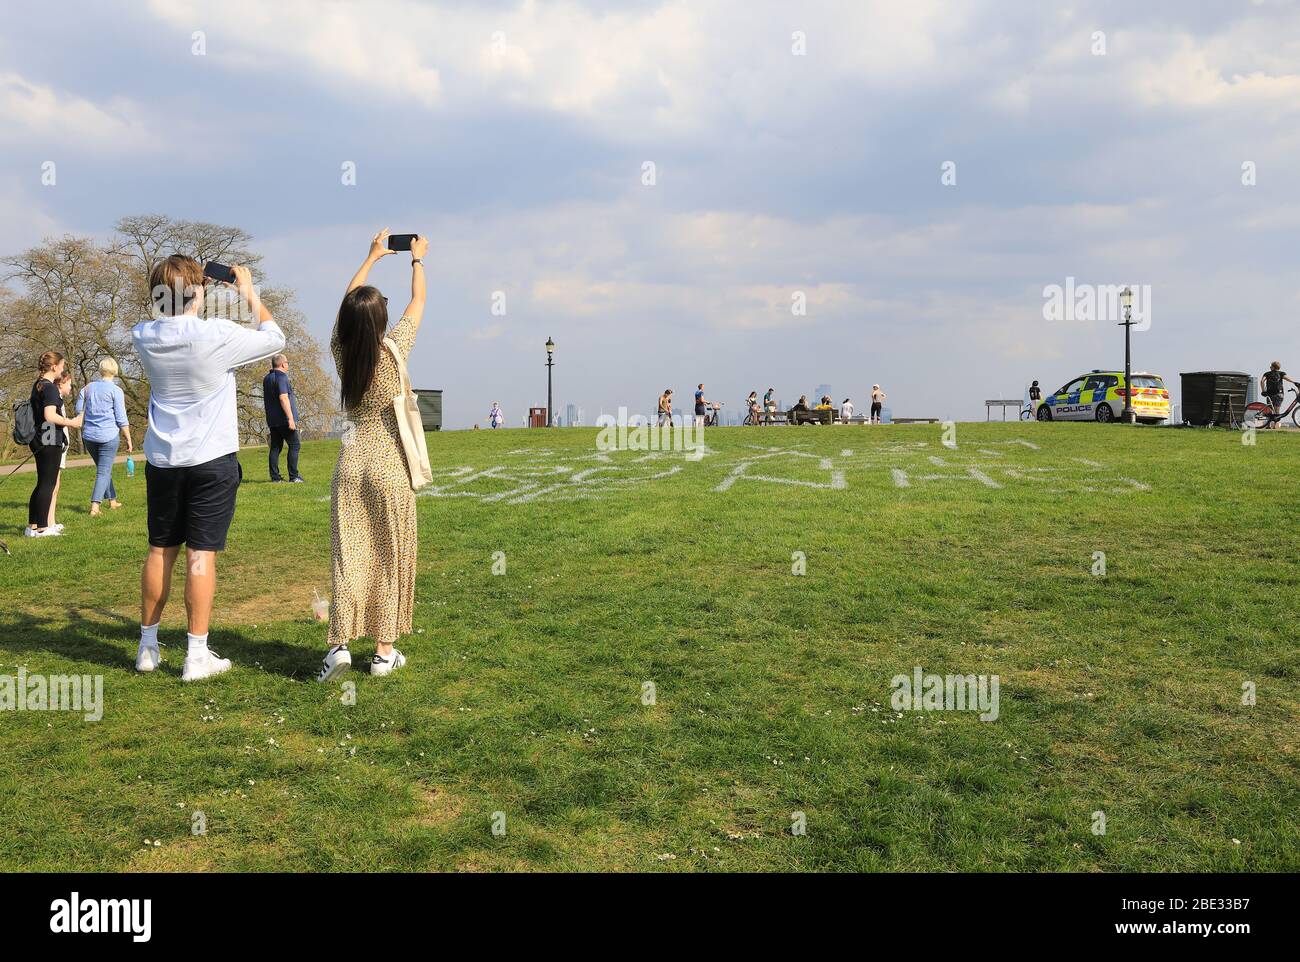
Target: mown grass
x=1120 y=694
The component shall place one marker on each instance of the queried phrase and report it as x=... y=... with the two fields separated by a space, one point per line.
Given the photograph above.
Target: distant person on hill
x=701 y=405
x=1271 y=386
x=801 y=404
x=825 y=403
x=104 y=406
x=846 y=411
x=753 y=407
x=1035 y=392
x=495 y=417
x=281 y=406
x=374 y=538
x=769 y=400
x=666 y=406
x=191 y=443
x=877 y=403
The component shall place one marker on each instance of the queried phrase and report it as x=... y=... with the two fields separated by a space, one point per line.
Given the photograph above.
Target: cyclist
x=1035 y=399
x=1270 y=385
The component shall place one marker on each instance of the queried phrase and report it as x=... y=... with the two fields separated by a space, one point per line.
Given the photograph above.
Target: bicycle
x=1027 y=412
x=711 y=415
x=1260 y=414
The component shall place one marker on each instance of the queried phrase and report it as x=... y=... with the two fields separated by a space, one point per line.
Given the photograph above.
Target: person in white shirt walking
x=192 y=473
x=846 y=411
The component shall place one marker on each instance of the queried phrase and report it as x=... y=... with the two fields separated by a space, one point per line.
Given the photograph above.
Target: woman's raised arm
x=378 y=249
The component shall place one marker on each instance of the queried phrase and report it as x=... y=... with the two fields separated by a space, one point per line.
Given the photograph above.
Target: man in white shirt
x=192 y=474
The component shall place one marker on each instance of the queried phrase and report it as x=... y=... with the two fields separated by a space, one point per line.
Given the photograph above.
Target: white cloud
x=36 y=111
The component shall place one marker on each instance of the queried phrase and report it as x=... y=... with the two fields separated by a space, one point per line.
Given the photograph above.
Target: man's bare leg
x=156 y=583
x=200 y=587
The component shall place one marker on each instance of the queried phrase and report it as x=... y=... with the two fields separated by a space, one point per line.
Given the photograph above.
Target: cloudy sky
x=799 y=153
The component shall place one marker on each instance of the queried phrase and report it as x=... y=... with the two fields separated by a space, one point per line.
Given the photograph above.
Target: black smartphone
x=400 y=242
x=218 y=272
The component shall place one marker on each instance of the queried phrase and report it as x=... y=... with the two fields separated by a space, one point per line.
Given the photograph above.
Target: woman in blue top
x=104 y=407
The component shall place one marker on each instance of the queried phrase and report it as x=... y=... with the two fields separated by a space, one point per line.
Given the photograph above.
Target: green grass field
x=1120 y=694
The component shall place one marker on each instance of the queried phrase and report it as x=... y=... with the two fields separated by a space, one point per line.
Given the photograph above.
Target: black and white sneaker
x=379 y=665
x=336 y=661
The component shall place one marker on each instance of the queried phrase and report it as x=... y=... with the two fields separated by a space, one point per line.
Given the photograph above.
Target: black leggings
x=48 y=460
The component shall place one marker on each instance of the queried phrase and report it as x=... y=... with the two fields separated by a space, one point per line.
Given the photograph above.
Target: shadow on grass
x=78 y=638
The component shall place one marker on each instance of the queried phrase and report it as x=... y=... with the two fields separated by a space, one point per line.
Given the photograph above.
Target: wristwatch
x=417 y=260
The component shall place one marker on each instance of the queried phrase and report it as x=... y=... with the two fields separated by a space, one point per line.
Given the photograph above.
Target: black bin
x=1215 y=397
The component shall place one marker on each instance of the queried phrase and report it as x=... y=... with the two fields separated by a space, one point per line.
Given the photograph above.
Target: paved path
x=84 y=462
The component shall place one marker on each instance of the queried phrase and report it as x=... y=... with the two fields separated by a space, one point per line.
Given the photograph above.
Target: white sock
x=198 y=644
x=149 y=636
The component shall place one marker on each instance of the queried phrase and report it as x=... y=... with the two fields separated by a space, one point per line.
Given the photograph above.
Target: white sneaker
x=147 y=658
x=51 y=532
x=336 y=661
x=57 y=527
x=202 y=666
x=379 y=665
x=29 y=532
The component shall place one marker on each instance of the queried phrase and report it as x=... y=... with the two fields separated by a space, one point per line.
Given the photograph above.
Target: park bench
x=915 y=421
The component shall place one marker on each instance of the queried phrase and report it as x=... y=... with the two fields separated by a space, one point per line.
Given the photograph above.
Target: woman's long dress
x=373 y=532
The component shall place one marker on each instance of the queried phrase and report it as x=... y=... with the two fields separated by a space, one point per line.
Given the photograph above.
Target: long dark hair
x=363 y=319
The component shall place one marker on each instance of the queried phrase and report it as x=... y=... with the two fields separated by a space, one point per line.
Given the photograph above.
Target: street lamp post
x=1126 y=301
x=550 y=363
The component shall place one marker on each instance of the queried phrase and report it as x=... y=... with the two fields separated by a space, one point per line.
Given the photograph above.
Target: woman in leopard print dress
x=373 y=530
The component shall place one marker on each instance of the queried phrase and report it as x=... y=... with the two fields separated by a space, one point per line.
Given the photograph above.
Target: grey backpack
x=24 y=422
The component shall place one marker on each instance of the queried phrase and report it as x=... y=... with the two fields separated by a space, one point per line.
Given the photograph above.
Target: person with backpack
x=48 y=440
x=1271 y=386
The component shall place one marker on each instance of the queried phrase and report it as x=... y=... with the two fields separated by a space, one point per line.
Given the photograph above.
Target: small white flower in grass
x=666 y=857
x=1236 y=841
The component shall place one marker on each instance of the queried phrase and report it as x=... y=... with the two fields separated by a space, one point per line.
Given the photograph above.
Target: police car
x=1099 y=396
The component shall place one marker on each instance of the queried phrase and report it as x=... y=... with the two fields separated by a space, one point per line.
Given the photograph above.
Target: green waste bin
x=1215 y=397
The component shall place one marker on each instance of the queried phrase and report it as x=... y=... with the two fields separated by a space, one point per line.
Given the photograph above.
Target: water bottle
x=130 y=466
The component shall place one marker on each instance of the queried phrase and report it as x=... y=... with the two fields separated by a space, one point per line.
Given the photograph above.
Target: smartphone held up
x=219 y=272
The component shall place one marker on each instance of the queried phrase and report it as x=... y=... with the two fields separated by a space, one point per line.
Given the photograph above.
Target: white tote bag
x=409 y=425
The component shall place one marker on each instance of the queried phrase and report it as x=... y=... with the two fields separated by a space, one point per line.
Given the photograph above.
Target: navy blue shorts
x=193 y=505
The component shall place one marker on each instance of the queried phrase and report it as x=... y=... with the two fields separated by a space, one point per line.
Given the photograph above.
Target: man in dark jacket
x=281 y=417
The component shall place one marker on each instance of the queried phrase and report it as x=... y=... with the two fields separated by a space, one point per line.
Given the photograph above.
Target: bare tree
x=82 y=298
